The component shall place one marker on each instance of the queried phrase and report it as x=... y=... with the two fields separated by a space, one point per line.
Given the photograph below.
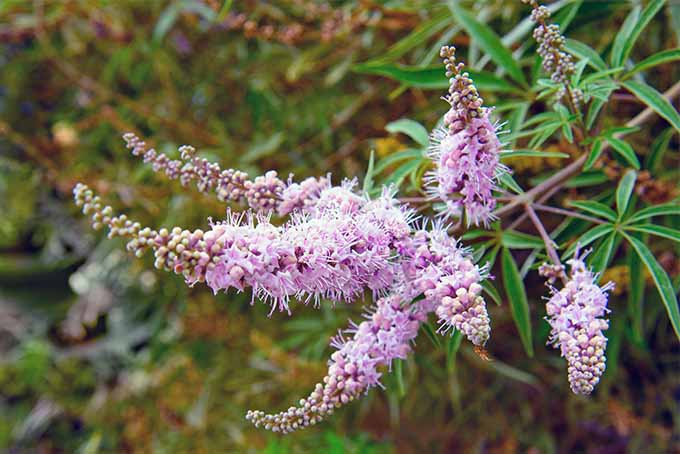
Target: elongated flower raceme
x=340 y=247
x=575 y=314
x=466 y=151
x=385 y=335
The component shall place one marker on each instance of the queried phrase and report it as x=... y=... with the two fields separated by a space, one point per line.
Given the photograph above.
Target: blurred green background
x=100 y=353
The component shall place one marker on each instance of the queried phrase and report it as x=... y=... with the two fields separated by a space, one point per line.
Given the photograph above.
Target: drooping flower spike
x=433 y=266
x=465 y=151
x=576 y=316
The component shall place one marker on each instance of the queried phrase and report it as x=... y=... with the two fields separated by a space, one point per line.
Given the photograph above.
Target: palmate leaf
x=626 y=31
x=661 y=280
x=588 y=237
x=489 y=42
x=517 y=297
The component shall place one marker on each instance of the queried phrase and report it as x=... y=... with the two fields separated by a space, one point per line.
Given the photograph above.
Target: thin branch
x=567 y=213
x=559 y=178
x=549 y=243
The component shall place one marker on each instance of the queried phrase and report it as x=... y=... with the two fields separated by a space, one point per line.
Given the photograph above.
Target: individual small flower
x=386 y=334
x=575 y=314
x=466 y=151
x=300 y=196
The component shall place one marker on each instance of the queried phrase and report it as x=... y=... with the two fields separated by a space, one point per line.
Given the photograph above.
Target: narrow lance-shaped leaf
x=514 y=289
x=647 y=15
x=666 y=56
x=596 y=208
x=657 y=210
x=658 y=230
x=626 y=31
x=623 y=149
x=624 y=190
x=588 y=237
x=489 y=42
x=655 y=101
x=661 y=280
x=603 y=253
x=635 y=294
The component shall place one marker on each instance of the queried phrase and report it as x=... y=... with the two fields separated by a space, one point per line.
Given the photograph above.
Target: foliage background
x=101 y=353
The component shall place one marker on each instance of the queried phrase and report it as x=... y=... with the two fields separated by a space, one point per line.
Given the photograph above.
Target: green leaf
x=517 y=297
x=654 y=100
x=624 y=190
x=658 y=149
x=588 y=237
x=625 y=33
x=659 y=58
x=596 y=208
x=518 y=240
x=657 y=210
x=418 y=36
x=661 y=280
x=431 y=334
x=532 y=154
x=585 y=52
x=603 y=254
x=647 y=15
x=411 y=128
x=624 y=150
x=594 y=155
x=399 y=175
x=509 y=182
x=594 y=110
x=492 y=292
x=408 y=153
x=452 y=348
x=658 y=230
x=399 y=375
x=368 y=180
x=635 y=295
x=432 y=77
x=489 y=42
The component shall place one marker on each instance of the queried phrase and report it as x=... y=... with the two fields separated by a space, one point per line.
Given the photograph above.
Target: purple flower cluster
x=343 y=245
x=450 y=280
x=467 y=168
x=575 y=314
x=466 y=151
x=386 y=334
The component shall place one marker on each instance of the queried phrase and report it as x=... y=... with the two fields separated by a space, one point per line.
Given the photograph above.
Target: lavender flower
x=451 y=281
x=466 y=151
x=300 y=196
x=339 y=249
x=575 y=316
x=386 y=334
